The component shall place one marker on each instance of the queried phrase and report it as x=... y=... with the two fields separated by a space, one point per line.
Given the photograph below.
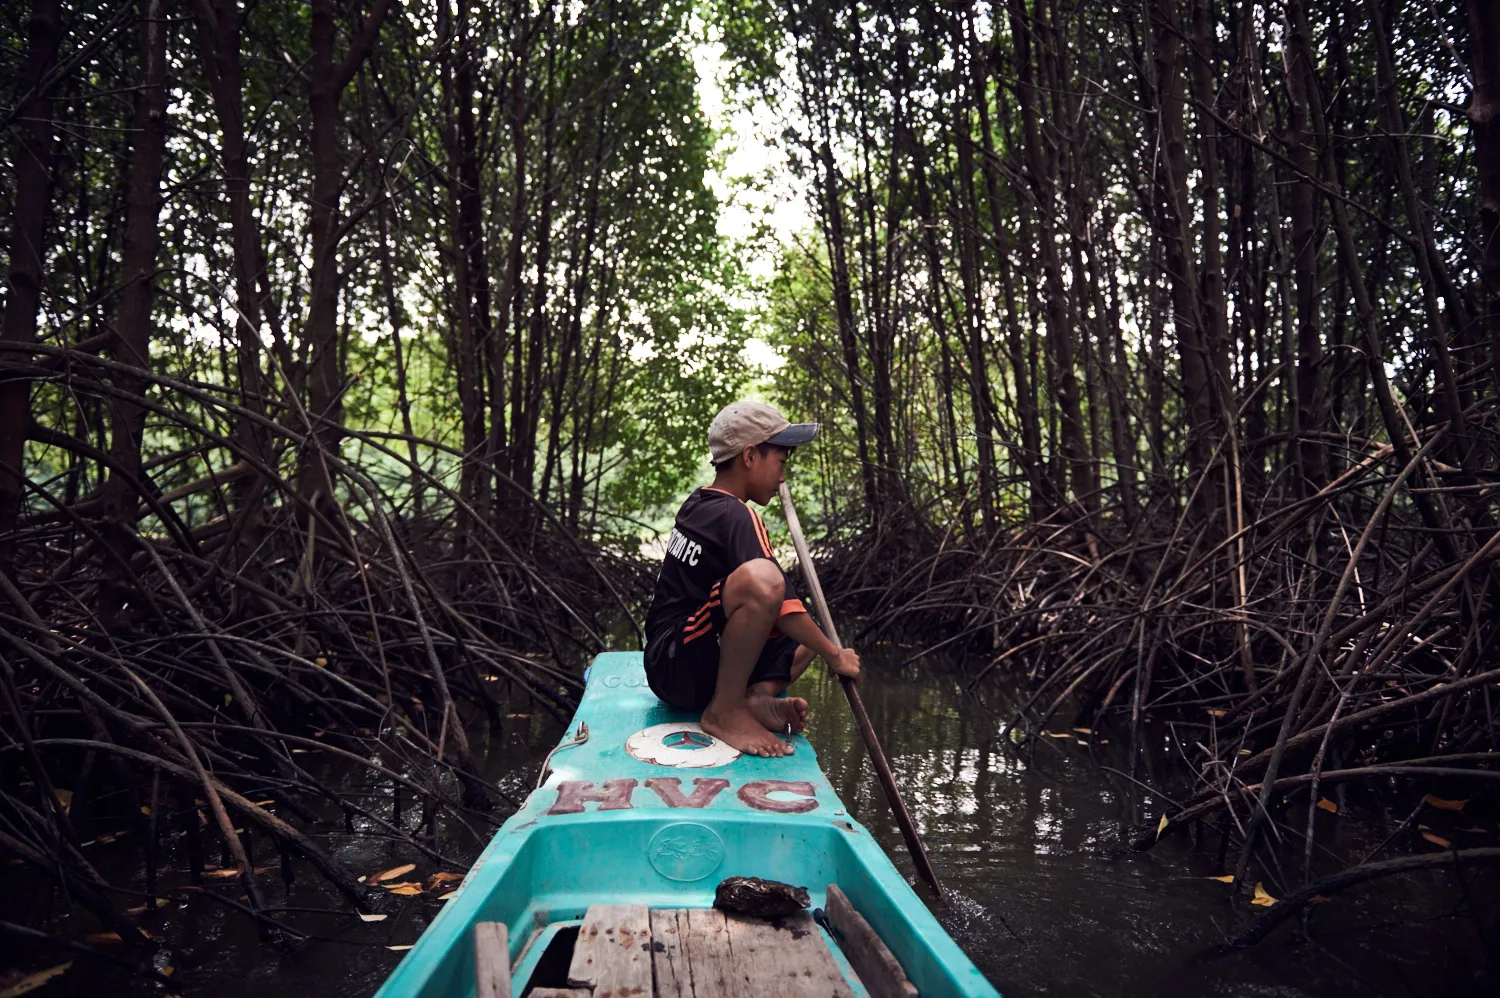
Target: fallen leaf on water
x=321 y=662
x=102 y=938
x=65 y=798
x=1328 y=805
x=448 y=895
x=221 y=874
x=1437 y=840
x=1244 y=751
x=399 y=949
x=142 y=909
x=1319 y=899
x=409 y=890
x=1161 y=826
x=392 y=873
x=438 y=879
x=1446 y=805
x=1474 y=831
x=1215 y=712
x=1261 y=897
x=1084 y=731
x=263 y=803
x=33 y=981
x=1227 y=878
x=168 y=970
x=363 y=917
x=516 y=717
x=146 y=810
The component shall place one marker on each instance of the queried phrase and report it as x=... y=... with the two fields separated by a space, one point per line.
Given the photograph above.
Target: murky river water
x=1043 y=894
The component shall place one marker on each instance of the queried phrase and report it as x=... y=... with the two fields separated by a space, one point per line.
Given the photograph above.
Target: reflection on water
x=1041 y=892
x=1045 y=898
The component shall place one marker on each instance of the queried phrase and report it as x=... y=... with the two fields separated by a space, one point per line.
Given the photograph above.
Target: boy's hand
x=846 y=664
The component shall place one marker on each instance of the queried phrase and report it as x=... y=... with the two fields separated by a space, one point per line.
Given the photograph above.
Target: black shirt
x=715 y=533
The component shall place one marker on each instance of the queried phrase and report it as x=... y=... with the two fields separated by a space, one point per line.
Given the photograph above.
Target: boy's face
x=765 y=472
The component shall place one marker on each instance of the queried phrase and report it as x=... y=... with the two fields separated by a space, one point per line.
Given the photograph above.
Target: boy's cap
x=747 y=424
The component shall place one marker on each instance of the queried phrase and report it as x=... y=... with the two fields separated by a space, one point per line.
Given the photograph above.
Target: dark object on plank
x=759 y=898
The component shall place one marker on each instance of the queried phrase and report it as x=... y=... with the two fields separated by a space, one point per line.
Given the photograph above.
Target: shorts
x=682 y=662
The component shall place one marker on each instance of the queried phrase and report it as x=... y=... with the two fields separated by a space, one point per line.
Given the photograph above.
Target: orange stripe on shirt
x=760 y=531
x=699 y=632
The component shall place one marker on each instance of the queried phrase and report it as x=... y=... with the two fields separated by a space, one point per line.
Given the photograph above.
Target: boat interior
x=635 y=951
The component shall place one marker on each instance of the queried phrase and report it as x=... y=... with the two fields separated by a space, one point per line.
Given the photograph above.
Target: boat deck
x=632 y=951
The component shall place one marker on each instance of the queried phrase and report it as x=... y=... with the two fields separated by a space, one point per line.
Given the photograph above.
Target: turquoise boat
x=640 y=818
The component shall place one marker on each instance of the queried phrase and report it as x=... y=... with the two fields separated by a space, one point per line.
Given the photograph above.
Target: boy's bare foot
x=744 y=731
x=775 y=713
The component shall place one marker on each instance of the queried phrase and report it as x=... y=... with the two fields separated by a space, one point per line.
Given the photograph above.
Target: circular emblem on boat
x=682 y=745
x=686 y=851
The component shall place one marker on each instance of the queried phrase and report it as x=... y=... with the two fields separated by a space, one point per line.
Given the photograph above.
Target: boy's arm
x=801 y=628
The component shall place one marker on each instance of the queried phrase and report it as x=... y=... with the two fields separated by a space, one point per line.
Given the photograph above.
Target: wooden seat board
x=701 y=953
x=613 y=953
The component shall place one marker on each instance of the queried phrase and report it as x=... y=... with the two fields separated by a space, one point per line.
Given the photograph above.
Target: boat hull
x=609 y=828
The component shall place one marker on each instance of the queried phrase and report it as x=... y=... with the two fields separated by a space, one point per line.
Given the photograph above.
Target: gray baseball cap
x=746 y=424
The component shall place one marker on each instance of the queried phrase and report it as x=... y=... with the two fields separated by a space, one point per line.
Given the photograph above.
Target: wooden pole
x=857 y=706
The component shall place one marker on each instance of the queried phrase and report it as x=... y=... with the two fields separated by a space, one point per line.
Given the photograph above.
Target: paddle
x=857 y=706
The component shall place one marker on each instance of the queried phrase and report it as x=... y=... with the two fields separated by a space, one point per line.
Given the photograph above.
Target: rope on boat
x=579 y=737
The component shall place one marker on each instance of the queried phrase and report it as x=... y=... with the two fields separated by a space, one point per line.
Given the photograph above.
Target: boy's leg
x=752 y=596
x=795 y=707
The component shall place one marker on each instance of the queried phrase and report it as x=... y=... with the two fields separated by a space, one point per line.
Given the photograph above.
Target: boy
x=726 y=633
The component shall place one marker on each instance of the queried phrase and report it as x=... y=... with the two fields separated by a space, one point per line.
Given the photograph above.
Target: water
x=1042 y=892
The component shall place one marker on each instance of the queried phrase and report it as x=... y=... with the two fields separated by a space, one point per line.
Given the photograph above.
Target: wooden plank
x=785 y=957
x=491 y=960
x=669 y=955
x=560 y=993
x=613 y=954
x=708 y=957
x=871 y=959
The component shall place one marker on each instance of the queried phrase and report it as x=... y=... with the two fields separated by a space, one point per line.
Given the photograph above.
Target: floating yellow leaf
x=1084 y=731
x=409 y=890
x=31 y=982
x=102 y=938
x=65 y=798
x=1058 y=734
x=228 y=699
x=1437 y=840
x=146 y=810
x=399 y=949
x=448 y=895
x=1227 y=878
x=168 y=970
x=1161 y=826
x=392 y=873
x=142 y=909
x=1446 y=805
x=321 y=662
x=1215 y=712
x=1474 y=830
x=515 y=717
x=1319 y=899
x=368 y=917
x=263 y=803
x=225 y=874
x=1327 y=805
x=1261 y=897
x=1244 y=751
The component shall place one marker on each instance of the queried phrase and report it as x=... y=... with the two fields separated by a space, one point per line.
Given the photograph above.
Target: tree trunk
x=1484 y=120
x=33 y=194
x=132 y=341
x=325 y=382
